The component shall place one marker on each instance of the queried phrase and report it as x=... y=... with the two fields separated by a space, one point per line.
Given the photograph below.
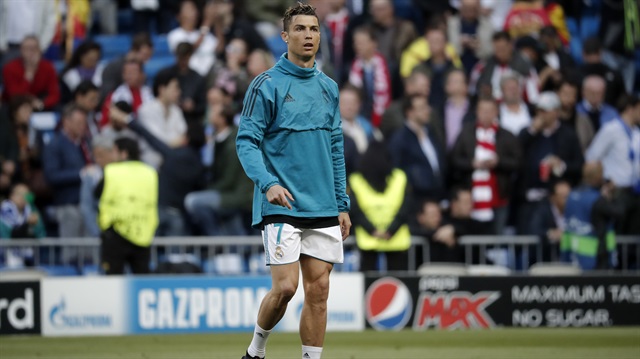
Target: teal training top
x=290 y=134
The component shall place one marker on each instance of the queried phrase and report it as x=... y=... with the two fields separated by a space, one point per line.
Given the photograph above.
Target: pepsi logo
x=388 y=304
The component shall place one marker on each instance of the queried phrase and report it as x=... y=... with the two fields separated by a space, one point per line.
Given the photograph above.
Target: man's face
x=76 y=124
x=469 y=9
x=171 y=92
x=456 y=84
x=511 y=92
x=420 y=110
x=430 y=217
x=568 y=96
x=188 y=15
x=381 y=11
x=462 y=206
x=559 y=198
x=19 y=196
x=486 y=113
x=143 y=54
x=437 y=42
x=104 y=156
x=594 y=93
x=30 y=52
x=349 y=104
x=503 y=50
x=132 y=75
x=363 y=45
x=303 y=37
x=88 y=101
x=419 y=85
x=549 y=117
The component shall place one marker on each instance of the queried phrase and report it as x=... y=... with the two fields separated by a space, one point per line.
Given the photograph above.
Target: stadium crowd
x=502 y=114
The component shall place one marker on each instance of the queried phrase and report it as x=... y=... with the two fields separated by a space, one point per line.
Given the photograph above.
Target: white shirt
x=167 y=127
x=19 y=18
x=204 y=57
x=611 y=146
x=514 y=122
x=353 y=130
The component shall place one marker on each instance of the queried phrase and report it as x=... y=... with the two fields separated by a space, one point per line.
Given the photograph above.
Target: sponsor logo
x=279 y=252
x=59 y=318
x=454 y=310
x=388 y=304
x=306 y=355
x=198 y=308
x=289 y=98
x=19 y=312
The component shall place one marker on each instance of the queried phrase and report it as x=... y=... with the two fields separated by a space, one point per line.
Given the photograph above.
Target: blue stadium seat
x=156 y=64
x=161 y=46
x=277 y=46
x=113 y=45
x=60 y=270
x=125 y=21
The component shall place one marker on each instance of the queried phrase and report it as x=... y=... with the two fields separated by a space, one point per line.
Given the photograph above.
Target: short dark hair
x=69 y=109
x=84 y=88
x=299 y=9
x=455 y=192
x=141 y=39
x=501 y=35
x=407 y=103
x=130 y=146
x=184 y=49
x=625 y=101
x=591 y=46
x=162 y=79
x=134 y=62
x=349 y=87
x=367 y=30
x=17 y=102
x=487 y=98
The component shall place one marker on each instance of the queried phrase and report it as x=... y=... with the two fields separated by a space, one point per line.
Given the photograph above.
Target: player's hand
x=279 y=195
x=345 y=224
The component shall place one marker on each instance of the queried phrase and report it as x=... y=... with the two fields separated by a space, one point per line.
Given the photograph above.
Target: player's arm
x=337 y=157
x=256 y=114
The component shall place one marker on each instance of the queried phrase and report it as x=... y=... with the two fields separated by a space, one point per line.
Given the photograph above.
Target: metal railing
x=86 y=251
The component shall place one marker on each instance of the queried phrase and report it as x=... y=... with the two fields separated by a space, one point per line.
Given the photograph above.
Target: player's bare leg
x=313 y=320
x=284 y=284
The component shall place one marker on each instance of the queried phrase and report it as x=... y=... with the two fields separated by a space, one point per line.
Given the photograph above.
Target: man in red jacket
x=31 y=75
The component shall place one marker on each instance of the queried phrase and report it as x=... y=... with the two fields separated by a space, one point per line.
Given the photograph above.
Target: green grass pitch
x=588 y=343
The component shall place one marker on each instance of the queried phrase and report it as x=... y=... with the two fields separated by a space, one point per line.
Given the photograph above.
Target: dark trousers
x=396 y=261
x=118 y=251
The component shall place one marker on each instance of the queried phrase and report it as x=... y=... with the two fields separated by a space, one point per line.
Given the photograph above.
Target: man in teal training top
x=290 y=144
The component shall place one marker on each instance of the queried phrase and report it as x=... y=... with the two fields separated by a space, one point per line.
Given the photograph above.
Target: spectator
x=526 y=17
x=14 y=138
x=551 y=152
x=192 y=85
x=181 y=173
x=469 y=32
x=221 y=209
x=369 y=72
x=594 y=65
x=217 y=100
x=485 y=158
x=617 y=147
x=497 y=11
x=551 y=224
x=380 y=210
x=141 y=51
x=226 y=26
x=106 y=13
x=259 y=61
x=620 y=39
x=419 y=51
x=568 y=95
x=146 y=12
x=418 y=83
x=417 y=150
x=84 y=65
x=486 y=75
x=514 y=112
x=266 y=14
x=457 y=110
x=31 y=75
x=128 y=211
x=63 y=160
x=232 y=74
x=593 y=106
x=204 y=43
x=133 y=91
x=589 y=213
x=438 y=65
x=354 y=126
x=338 y=20
x=558 y=63
x=90 y=176
x=162 y=117
x=19 y=218
x=87 y=97
x=22 y=19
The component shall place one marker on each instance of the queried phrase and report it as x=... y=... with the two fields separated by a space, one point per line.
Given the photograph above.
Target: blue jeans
x=171 y=222
x=211 y=218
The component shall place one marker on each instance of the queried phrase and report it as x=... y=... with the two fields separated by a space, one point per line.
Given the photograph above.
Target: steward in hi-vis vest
x=381 y=208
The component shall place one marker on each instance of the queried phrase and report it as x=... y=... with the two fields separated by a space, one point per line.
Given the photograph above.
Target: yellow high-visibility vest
x=380 y=209
x=129 y=201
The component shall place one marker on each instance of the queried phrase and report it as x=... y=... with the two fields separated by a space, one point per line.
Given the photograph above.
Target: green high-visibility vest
x=380 y=209
x=129 y=201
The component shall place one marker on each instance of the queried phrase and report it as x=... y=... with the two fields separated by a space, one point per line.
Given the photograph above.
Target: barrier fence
x=244 y=254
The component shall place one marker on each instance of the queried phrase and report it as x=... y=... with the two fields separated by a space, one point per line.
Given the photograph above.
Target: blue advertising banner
x=195 y=304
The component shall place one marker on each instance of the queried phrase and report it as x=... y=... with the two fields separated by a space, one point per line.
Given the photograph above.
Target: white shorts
x=283 y=243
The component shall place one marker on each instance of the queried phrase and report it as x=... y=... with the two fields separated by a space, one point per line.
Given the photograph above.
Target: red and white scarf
x=381 y=84
x=484 y=189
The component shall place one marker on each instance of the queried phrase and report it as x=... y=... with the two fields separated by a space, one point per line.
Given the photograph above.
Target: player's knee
x=318 y=290
x=285 y=292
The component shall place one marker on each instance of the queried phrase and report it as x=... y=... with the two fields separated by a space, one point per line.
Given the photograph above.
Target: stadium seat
x=488 y=270
x=156 y=64
x=161 y=46
x=113 y=45
x=554 y=269
x=60 y=270
x=442 y=268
